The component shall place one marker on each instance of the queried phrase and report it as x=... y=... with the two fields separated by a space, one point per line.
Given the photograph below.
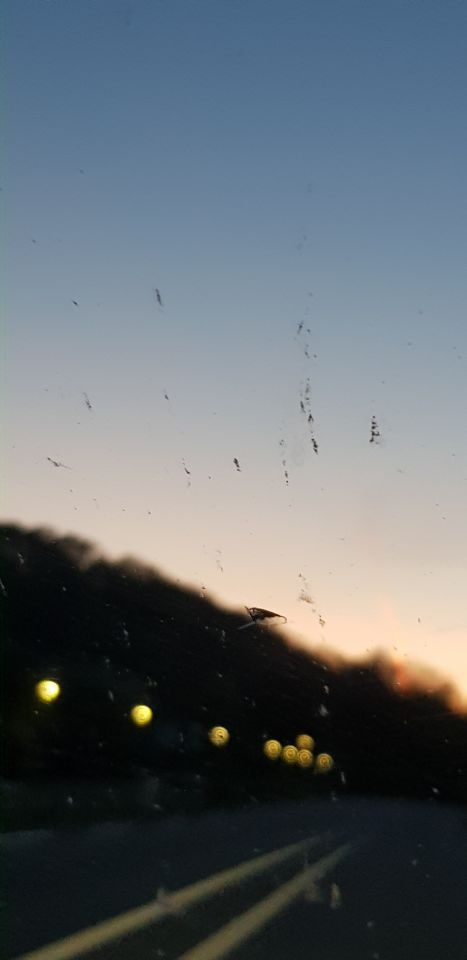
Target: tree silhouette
x=118 y=634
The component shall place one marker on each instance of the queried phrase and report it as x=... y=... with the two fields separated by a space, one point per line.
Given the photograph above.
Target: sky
x=290 y=176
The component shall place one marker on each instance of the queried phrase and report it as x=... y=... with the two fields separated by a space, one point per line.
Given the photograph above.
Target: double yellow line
x=230 y=935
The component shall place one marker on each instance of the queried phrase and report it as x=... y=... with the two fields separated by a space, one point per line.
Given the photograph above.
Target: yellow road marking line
x=241 y=928
x=143 y=916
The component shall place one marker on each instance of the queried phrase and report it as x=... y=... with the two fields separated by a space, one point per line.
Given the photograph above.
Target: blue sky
x=263 y=164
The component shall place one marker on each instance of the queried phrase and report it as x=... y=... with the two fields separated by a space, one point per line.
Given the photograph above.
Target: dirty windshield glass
x=233 y=539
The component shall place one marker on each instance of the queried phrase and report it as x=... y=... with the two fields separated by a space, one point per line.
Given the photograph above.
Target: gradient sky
x=263 y=163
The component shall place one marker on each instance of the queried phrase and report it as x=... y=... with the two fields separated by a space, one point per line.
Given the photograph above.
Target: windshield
x=233 y=537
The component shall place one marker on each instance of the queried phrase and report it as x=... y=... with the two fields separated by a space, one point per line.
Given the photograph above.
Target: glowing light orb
x=272 y=749
x=289 y=754
x=305 y=758
x=324 y=763
x=219 y=736
x=141 y=714
x=47 y=690
x=304 y=742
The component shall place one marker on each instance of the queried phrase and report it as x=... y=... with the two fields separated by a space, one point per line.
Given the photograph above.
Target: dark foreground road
x=345 y=880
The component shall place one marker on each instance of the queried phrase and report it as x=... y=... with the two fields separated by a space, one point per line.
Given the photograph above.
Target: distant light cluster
x=299 y=754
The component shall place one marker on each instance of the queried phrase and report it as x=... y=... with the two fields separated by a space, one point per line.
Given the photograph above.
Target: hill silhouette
x=116 y=634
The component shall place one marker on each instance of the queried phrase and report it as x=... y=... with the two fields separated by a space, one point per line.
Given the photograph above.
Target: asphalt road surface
x=346 y=880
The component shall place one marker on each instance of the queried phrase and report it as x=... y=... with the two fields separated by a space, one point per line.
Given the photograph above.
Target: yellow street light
x=305 y=758
x=304 y=742
x=289 y=754
x=141 y=714
x=47 y=691
x=219 y=736
x=272 y=749
x=324 y=763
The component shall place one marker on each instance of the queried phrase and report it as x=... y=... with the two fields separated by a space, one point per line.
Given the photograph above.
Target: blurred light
x=289 y=754
x=272 y=749
x=324 y=763
x=141 y=714
x=47 y=690
x=305 y=758
x=219 y=736
x=304 y=742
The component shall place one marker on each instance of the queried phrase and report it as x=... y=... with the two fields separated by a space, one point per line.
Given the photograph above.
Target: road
x=347 y=880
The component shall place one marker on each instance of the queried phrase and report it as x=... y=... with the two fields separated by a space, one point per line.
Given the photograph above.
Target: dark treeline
x=117 y=634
